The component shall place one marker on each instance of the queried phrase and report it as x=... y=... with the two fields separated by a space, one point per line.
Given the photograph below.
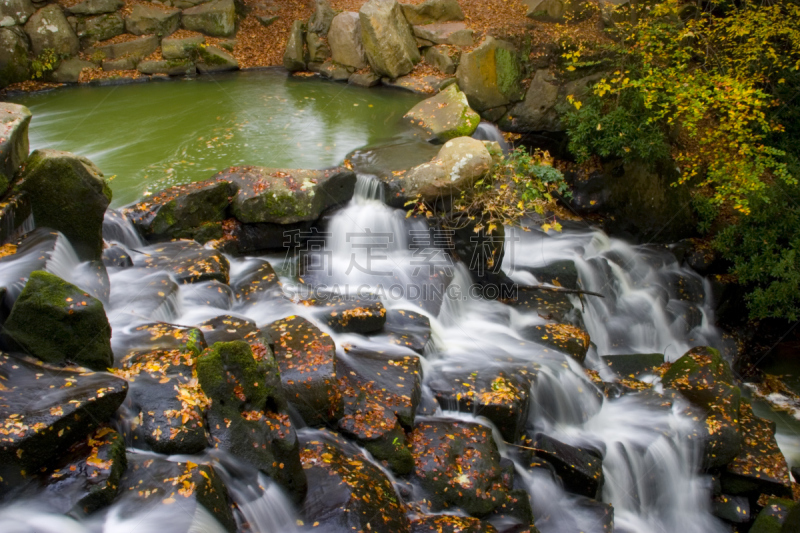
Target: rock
x=453 y=33
x=69 y=71
x=213 y=59
x=170 y=67
x=439 y=445
x=634 y=365
x=567 y=339
x=48 y=28
x=432 y=11
x=67 y=193
x=445 y=116
x=446 y=523
x=284 y=196
x=491 y=75
x=147 y=19
x=227 y=328
x=320 y=21
x=734 y=509
x=14 y=50
x=307 y=360
x=209 y=294
x=426 y=85
x=155 y=338
x=15 y=12
x=87 y=476
x=14 y=211
x=95 y=7
x=153 y=483
x=377 y=429
x=137 y=48
x=344 y=39
x=442 y=59
x=103 y=27
x=45 y=410
x=331 y=70
x=409 y=329
x=556 y=10
x=364 y=79
x=348 y=315
x=581 y=472
x=501 y=397
x=267 y=20
x=257 y=283
x=13 y=141
x=460 y=163
x=181 y=47
x=187 y=261
x=775 y=517
x=295 y=57
x=345 y=489
x=388 y=41
x=318 y=49
x=216 y=18
x=57 y=322
x=557 y=273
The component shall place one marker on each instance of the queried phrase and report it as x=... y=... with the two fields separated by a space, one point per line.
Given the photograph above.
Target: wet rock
x=759 y=467
x=295 y=57
x=389 y=44
x=103 y=27
x=346 y=491
x=442 y=58
x=137 y=48
x=634 y=365
x=14 y=211
x=552 y=305
x=57 y=322
x=344 y=39
x=116 y=256
x=69 y=71
x=48 y=28
x=284 y=196
x=431 y=11
x=209 y=294
x=333 y=71
x=88 y=474
x=563 y=337
x=734 y=509
x=581 y=472
x=152 y=483
x=257 y=283
x=14 y=51
x=445 y=116
x=45 y=410
x=186 y=261
x=459 y=465
x=349 y=315
x=558 y=273
x=450 y=524
x=226 y=328
x=407 y=328
x=215 y=19
x=159 y=337
x=95 y=7
x=307 y=360
x=47 y=178
x=453 y=33
x=425 y=85
x=181 y=48
x=15 y=12
x=169 y=67
x=212 y=59
x=153 y=19
x=14 y=121
x=491 y=75
x=377 y=429
x=515 y=514
x=776 y=517
x=364 y=79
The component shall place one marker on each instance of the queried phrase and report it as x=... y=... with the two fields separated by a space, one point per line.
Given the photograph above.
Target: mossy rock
x=445 y=116
x=153 y=19
x=158 y=336
x=491 y=75
x=295 y=57
x=181 y=47
x=216 y=18
x=212 y=59
x=387 y=38
x=57 y=322
x=227 y=328
x=431 y=11
x=68 y=194
x=696 y=375
x=14 y=60
x=776 y=517
x=103 y=27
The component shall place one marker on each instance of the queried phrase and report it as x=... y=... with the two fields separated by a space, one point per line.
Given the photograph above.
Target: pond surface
x=150 y=136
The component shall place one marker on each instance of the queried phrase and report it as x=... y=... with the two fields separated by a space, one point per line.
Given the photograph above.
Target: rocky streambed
x=272 y=349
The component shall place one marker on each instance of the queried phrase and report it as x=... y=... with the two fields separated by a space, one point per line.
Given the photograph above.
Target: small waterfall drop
x=489 y=132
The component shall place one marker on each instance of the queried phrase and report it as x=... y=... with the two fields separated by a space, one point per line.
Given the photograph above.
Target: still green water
x=150 y=136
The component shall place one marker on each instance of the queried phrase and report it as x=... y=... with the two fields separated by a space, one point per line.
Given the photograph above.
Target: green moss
x=228 y=371
x=509 y=73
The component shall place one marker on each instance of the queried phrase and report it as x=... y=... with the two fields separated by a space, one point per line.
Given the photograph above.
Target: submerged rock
x=344 y=38
x=445 y=116
x=14 y=121
x=389 y=44
x=216 y=18
x=431 y=11
x=57 y=322
x=634 y=365
x=491 y=75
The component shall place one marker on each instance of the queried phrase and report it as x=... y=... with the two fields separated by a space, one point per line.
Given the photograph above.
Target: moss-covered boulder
x=14 y=51
x=187 y=261
x=285 y=196
x=215 y=19
x=135 y=48
x=780 y=515
x=491 y=75
x=57 y=322
x=431 y=11
x=48 y=28
x=346 y=491
x=14 y=121
x=445 y=116
x=214 y=59
x=295 y=56
x=227 y=328
x=181 y=47
x=307 y=360
x=102 y=27
x=68 y=194
x=153 y=19
x=388 y=41
x=697 y=374
x=344 y=39
x=170 y=67
x=44 y=410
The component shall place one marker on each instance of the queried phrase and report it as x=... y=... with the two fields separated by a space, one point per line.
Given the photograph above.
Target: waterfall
x=489 y=132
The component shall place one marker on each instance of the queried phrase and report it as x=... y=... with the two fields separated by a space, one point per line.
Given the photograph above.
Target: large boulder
x=136 y=48
x=216 y=18
x=95 y=7
x=49 y=28
x=69 y=71
x=15 y=12
x=491 y=75
x=344 y=39
x=389 y=43
x=320 y=21
x=68 y=193
x=44 y=410
x=445 y=116
x=431 y=11
x=285 y=196
x=443 y=58
x=295 y=57
x=14 y=50
x=14 y=121
x=57 y=322
x=103 y=27
x=214 y=59
x=153 y=19
x=181 y=47
x=187 y=261
x=170 y=67
x=453 y=33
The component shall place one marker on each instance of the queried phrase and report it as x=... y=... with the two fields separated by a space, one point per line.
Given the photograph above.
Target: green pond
x=149 y=136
